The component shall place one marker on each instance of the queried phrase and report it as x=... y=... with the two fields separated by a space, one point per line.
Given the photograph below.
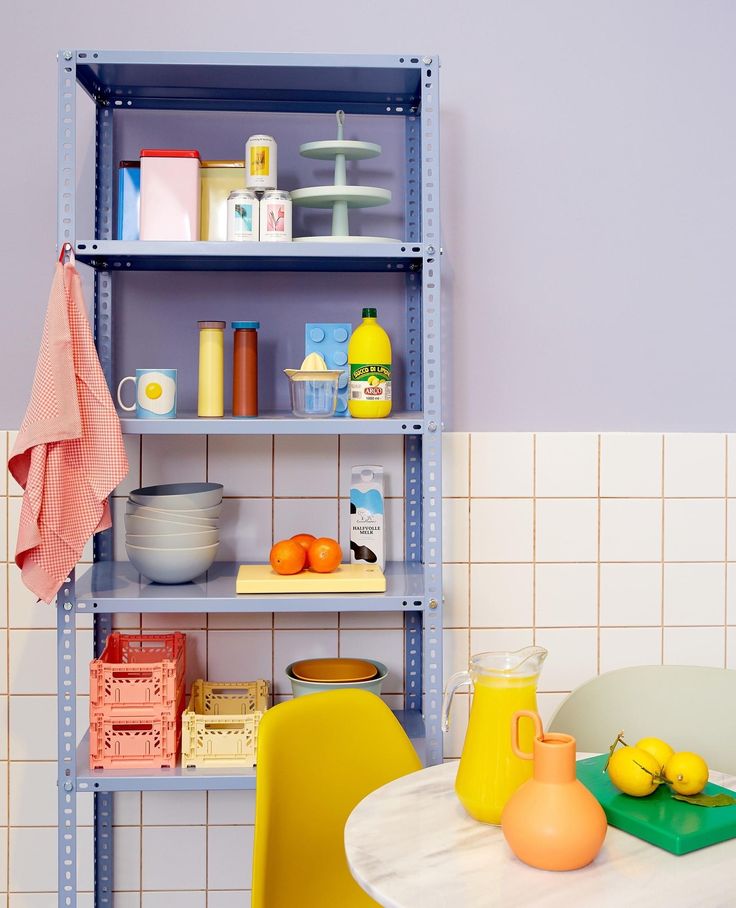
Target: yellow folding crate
x=220 y=725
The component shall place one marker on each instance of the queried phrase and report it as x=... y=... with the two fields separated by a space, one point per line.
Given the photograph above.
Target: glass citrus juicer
x=489 y=771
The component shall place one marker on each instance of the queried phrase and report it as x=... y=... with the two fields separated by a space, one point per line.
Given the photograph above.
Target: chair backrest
x=691 y=707
x=318 y=756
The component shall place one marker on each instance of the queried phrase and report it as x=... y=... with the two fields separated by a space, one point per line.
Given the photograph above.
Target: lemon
x=659 y=749
x=632 y=770
x=686 y=772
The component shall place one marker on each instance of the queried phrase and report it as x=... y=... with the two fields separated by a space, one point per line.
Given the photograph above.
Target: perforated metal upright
x=397 y=86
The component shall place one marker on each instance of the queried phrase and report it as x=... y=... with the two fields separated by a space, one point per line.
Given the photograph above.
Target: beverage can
x=276 y=216
x=242 y=215
x=260 y=162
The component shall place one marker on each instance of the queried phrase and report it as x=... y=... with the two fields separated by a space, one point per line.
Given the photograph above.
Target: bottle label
x=370 y=382
x=275 y=220
x=259 y=164
x=244 y=217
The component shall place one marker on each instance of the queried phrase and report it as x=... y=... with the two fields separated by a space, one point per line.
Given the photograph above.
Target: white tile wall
x=694 y=466
x=631 y=465
x=694 y=529
x=566 y=594
x=501 y=529
x=630 y=594
x=501 y=464
x=631 y=529
x=502 y=595
x=609 y=549
x=305 y=465
x=566 y=465
x=566 y=529
x=242 y=463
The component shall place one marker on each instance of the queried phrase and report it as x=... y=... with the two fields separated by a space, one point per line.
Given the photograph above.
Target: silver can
x=276 y=216
x=260 y=162
x=243 y=215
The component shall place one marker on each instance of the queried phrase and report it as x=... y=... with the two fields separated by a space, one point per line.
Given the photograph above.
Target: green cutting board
x=658 y=818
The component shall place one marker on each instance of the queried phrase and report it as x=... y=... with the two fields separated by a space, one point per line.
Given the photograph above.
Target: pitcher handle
x=457 y=680
x=538 y=731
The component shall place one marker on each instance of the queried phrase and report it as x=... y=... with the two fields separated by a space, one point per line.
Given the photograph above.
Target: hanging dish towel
x=69 y=454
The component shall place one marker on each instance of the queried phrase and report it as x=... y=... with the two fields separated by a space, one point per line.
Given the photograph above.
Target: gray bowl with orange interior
x=299 y=687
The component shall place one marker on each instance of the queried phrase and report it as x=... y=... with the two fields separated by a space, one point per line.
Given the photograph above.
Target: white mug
x=155 y=393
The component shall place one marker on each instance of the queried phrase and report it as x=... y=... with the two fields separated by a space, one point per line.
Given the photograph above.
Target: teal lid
x=252 y=325
x=370 y=313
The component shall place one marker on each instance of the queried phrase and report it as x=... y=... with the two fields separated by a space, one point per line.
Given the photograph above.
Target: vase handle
x=538 y=731
x=457 y=680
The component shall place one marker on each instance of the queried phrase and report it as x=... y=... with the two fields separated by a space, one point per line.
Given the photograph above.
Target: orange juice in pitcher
x=489 y=771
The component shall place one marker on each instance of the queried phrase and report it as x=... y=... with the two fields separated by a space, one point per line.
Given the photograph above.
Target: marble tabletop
x=410 y=844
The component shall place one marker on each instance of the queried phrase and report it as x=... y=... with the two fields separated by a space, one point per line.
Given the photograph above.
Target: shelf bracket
x=66 y=631
x=413 y=660
x=66 y=152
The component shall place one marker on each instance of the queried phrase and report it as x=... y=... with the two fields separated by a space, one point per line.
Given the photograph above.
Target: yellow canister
x=219 y=178
x=210 y=400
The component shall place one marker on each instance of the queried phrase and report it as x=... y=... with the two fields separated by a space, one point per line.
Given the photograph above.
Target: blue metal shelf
x=182 y=779
x=116 y=586
x=373 y=84
x=385 y=85
x=275 y=424
x=149 y=255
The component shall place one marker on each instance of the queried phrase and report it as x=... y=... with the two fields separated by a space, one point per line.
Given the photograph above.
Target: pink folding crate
x=124 y=742
x=137 y=676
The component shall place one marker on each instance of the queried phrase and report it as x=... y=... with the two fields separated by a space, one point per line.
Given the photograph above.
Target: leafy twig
x=619 y=740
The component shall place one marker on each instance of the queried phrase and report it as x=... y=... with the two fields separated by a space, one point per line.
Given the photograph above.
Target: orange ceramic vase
x=552 y=821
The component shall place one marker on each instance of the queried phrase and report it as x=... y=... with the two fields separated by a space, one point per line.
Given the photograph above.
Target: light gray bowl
x=173 y=540
x=150 y=526
x=172 y=565
x=204 y=517
x=299 y=688
x=179 y=496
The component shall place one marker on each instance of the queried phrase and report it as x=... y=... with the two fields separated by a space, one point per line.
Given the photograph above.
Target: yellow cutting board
x=348 y=578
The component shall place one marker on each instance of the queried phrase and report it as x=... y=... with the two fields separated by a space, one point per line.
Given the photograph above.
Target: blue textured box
x=331 y=340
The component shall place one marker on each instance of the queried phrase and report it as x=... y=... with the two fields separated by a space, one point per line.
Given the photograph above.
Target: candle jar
x=210 y=400
x=245 y=368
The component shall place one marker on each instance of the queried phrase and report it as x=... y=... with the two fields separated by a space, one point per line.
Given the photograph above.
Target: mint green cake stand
x=340 y=196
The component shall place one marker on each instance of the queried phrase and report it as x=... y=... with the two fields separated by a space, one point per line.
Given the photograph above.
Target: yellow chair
x=318 y=756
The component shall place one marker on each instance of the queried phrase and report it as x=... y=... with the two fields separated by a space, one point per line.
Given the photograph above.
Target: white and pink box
x=169 y=194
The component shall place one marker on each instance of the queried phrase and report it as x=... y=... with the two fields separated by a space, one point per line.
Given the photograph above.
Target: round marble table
x=410 y=844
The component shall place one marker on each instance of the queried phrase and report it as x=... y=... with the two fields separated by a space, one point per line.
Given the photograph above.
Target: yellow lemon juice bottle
x=369 y=360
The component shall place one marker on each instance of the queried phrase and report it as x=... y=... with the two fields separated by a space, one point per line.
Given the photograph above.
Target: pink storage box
x=169 y=194
x=138 y=675
x=137 y=696
x=126 y=742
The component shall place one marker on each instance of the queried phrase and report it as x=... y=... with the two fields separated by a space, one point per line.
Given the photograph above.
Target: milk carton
x=367 y=541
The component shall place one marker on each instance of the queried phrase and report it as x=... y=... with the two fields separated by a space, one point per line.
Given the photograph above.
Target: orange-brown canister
x=245 y=368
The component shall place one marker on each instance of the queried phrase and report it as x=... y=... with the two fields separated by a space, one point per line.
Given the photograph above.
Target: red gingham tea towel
x=69 y=454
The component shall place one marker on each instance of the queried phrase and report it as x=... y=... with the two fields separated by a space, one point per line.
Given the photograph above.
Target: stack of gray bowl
x=172 y=531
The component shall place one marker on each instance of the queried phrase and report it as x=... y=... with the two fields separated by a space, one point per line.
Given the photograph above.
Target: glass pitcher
x=489 y=771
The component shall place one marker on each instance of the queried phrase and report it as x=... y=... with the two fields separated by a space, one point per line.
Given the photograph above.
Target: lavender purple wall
x=589 y=197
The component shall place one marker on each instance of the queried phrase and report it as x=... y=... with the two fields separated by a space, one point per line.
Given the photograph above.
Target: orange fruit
x=324 y=555
x=304 y=540
x=287 y=557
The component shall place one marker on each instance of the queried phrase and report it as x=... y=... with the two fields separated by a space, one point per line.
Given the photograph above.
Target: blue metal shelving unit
x=387 y=85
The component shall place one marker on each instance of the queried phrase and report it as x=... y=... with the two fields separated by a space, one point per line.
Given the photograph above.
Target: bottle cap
x=370 y=313
x=252 y=325
x=211 y=324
